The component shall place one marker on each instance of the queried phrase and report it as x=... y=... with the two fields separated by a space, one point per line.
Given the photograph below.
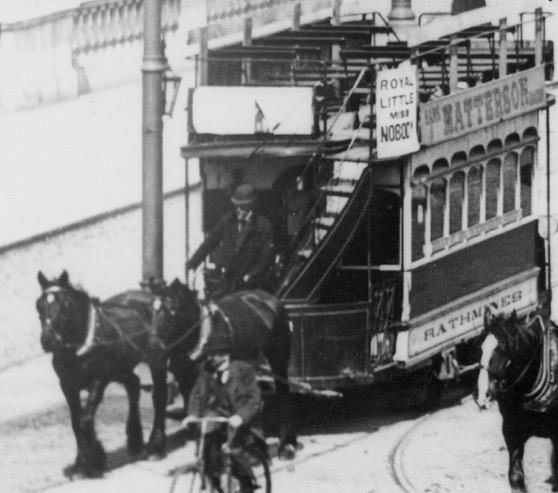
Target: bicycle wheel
x=260 y=467
x=186 y=479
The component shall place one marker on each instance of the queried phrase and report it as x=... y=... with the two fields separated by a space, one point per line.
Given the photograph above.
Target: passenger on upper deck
x=243 y=247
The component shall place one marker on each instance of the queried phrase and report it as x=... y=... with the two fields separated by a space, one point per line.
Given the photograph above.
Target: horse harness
x=544 y=392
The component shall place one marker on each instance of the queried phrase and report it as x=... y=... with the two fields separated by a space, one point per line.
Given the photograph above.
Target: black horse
x=94 y=344
x=519 y=369
x=253 y=323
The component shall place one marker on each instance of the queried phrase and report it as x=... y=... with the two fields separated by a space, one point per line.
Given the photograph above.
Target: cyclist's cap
x=217 y=344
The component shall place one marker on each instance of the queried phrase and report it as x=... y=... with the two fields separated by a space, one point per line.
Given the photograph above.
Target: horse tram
x=405 y=175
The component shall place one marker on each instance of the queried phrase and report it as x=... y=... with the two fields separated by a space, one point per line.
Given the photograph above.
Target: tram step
x=340 y=189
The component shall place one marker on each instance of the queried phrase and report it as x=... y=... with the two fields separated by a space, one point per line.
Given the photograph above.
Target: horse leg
x=134 y=431
x=185 y=373
x=95 y=456
x=287 y=440
x=156 y=444
x=71 y=393
x=553 y=480
x=516 y=448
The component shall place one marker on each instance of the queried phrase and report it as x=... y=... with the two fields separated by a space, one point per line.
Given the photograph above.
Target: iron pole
x=153 y=67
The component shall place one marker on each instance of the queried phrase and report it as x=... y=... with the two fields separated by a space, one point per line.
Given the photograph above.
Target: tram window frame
x=510 y=182
x=418 y=221
x=438 y=192
x=475 y=197
x=526 y=179
x=493 y=188
x=492 y=216
x=457 y=205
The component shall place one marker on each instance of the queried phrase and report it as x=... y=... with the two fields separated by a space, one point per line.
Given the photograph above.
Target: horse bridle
x=157 y=307
x=506 y=390
x=50 y=294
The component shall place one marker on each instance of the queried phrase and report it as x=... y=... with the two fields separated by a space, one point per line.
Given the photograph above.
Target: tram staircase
x=341 y=204
x=343 y=192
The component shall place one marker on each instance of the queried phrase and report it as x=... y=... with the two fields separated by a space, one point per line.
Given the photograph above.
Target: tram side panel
x=473 y=268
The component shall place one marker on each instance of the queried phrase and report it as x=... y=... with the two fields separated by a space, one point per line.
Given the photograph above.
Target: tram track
x=396 y=460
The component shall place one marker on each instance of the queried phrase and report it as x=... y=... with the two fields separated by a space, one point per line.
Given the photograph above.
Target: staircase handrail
x=310 y=216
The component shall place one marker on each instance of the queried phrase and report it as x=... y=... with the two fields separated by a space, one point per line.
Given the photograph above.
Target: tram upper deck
x=384 y=262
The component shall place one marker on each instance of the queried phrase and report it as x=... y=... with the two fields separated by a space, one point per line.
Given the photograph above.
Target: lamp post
x=401 y=11
x=153 y=68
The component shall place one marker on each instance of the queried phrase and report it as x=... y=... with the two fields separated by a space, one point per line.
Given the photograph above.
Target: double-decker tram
x=405 y=177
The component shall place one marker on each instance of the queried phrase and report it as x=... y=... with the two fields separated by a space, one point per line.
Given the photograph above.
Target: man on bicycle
x=226 y=388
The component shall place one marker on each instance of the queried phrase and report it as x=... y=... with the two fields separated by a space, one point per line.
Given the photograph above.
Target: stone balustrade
x=99 y=43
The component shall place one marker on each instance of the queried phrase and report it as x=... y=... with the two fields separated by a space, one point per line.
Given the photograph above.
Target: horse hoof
x=74 y=473
x=137 y=454
x=287 y=452
x=136 y=450
x=156 y=456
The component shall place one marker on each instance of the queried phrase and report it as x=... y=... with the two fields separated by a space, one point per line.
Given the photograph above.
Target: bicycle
x=192 y=477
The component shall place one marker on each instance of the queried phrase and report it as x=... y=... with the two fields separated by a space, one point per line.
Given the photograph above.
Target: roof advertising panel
x=396 y=112
x=252 y=110
x=482 y=106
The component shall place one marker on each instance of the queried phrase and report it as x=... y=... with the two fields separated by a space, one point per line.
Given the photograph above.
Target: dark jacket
x=238 y=254
x=238 y=394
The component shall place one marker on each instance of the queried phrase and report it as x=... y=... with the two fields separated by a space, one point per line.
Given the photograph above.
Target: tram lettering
x=478 y=103
x=468 y=107
x=396 y=83
x=394 y=115
x=506 y=98
x=399 y=131
x=488 y=106
x=515 y=95
x=458 y=118
x=524 y=91
x=453 y=321
x=448 y=119
x=433 y=332
x=497 y=95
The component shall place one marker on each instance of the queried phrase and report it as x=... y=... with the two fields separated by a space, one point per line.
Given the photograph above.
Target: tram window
x=457 y=195
x=418 y=210
x=510 y=181
x=438 y=190
x=474 y=191
x=492 y=188
x=526 y=176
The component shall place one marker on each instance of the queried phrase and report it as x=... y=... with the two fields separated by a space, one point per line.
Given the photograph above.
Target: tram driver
x=242 y=245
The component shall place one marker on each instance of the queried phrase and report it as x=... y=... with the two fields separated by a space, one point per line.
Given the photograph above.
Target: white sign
x=457 y=323
x=250 y=110
x=396 y=112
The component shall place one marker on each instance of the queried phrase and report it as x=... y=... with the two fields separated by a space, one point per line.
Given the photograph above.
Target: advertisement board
x=482 y=105
x=396 y=112
x=252 y=110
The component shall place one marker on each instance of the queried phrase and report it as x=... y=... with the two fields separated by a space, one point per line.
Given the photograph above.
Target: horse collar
x=91 y=326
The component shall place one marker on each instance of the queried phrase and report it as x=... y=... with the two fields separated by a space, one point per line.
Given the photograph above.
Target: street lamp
x=401 y=11
x=171 y=86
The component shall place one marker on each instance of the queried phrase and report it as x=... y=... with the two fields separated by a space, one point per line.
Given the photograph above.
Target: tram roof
x=448 y=25
x=250 y=148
